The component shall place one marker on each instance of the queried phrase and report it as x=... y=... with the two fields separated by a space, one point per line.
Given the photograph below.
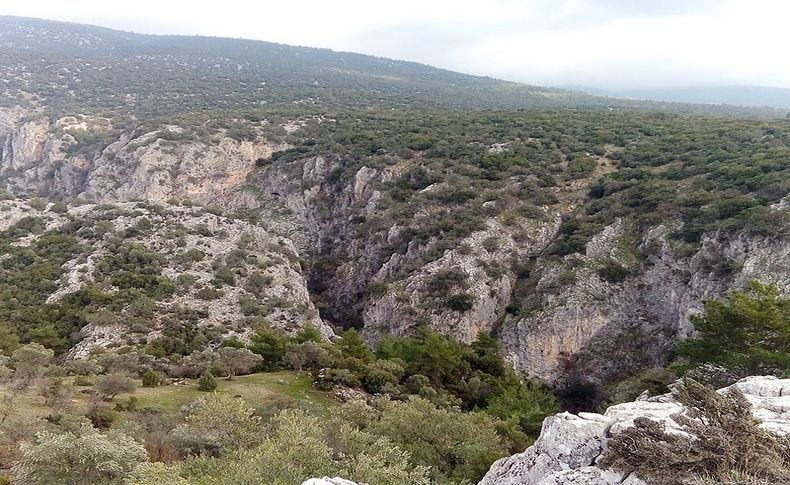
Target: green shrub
x=746 y=333
x=613 y=272
x=151 y=378
x=461 y=302
x=207 y=382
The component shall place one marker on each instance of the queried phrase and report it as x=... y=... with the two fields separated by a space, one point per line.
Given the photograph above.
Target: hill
x=66 y=67
x=755 y=96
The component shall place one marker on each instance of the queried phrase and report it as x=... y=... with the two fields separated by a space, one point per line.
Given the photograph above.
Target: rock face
x=639 y=318
x=569 y=445
x=555 y=316
x=44 y=158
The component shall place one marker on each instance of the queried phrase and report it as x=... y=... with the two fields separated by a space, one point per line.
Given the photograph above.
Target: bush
x=151 y=378
x=111 y=385
x=461 y=302
x=86 y=456
x=746 y=333
x=613 y=272
x=207 y=382
x=82 y=381
x=723 y=437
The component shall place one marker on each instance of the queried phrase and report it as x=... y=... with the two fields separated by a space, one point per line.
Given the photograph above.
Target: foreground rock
x=327 y=481
x=570 y=445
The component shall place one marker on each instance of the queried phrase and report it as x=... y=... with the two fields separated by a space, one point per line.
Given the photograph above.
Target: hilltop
x=66 y=67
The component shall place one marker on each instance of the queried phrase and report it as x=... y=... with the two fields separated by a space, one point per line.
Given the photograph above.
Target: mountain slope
x=77 y=65
x=173 y=279
x=67 y=67
x=583 y=241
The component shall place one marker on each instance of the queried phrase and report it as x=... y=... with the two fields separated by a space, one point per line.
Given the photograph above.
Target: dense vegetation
x=456 y=172
x=446 y=411
x=79 y=67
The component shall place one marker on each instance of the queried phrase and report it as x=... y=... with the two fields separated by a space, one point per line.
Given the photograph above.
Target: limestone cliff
x=606 y=313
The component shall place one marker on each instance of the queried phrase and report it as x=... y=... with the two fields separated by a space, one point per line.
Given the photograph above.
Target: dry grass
x=725 y=443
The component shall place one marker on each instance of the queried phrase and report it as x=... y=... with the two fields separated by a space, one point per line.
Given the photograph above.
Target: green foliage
x=298 y=446
x=216 y=423
x=456 y=445
x=207 y=382
x=269 y=344
x=111 y=385
x=151 y=378
x=135 y=266
x=613 y=272
x=308 y=333
x=84 y=456
x=527 y=404
x=747 y=333
x=351 y=345
x=29 y=362
x=235 y=361
x=461 y=302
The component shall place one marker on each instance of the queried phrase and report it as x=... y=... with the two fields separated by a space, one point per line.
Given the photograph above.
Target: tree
x=457 y=445
x=299 y=445
x=308 y=333
x=111 y=385
x=352 y=345
x=527 y=404
x=219 y=421
x=207 y=382
x=234 y=361
x=83 y=456
x=29 y=362
x=748 y=332
x=270 y=345
x=309 y=355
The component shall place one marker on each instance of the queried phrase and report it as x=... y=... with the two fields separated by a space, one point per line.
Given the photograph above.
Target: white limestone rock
x=569 y=446
x=328 y=481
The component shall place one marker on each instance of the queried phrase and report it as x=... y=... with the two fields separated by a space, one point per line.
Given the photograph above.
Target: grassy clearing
x=257 y=389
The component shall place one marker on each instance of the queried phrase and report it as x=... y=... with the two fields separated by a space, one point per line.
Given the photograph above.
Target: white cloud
x=605 y=43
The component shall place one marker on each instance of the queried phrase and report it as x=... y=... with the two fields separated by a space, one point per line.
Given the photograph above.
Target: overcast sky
x=600 y=43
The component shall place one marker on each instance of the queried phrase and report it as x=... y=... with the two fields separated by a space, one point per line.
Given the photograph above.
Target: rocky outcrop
x=570 y=445
x=84 y=156
x=580 y=324
x=218 y=272
x=555 y=316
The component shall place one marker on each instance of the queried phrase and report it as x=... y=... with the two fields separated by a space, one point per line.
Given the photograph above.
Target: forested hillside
x=71 y=67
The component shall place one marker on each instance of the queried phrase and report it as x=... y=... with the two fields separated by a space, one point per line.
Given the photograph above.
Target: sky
x=609 y=44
